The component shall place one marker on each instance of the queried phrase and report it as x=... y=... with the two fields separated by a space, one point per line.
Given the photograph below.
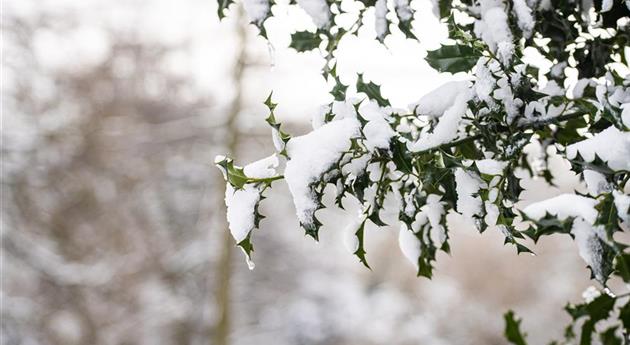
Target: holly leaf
x=622 y=266
x=453 y=58
x=597 y=309
x=607 y=214
x=624 y=315
x=360 y=252
x=372 y=90
x=401 y=157
x=303 y=41
x=512 y=329
x=547 y=225
x=609 y=336
x=280 y=138
x=223 y=5
x=233 y=174
x=445 y=7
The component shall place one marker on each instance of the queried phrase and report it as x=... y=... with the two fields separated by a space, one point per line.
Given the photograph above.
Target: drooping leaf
x=360 y=252
x=513 y=331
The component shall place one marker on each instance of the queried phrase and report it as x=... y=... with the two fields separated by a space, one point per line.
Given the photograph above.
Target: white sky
x=294 y=77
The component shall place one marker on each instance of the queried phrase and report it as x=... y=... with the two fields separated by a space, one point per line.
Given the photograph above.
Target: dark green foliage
x=372 y=90
x=305 y=40
x=501 y=120
x=513 y=329
x=453 y=58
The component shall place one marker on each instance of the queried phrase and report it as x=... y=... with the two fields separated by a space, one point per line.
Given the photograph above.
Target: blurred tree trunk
x=224 y=268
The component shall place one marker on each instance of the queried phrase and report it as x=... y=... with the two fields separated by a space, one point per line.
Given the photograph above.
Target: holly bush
x=467 y=146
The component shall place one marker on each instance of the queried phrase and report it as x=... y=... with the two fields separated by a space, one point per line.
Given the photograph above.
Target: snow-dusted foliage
x=460 y=148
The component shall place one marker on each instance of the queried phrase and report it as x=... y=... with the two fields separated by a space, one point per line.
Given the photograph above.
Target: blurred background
x=113 y=223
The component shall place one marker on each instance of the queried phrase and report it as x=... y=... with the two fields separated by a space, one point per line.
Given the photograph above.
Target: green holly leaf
x=609 y=336
x=223 y=5
x=597 y=309
x=453 y=58
x=624 y=315
x=512 y=329
x=547 y=225
x=401 y=156
x=339 y=90
x=568 y=133
x=233 y=174
x=303 y=41
x=280 y=136
x=445 y=8
x=360 y=252
x=622 y=266
x=372 y=90
x=607 y=214
x=247 y=246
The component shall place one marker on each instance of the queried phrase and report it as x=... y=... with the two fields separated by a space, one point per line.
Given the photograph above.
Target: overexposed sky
x=210 y=47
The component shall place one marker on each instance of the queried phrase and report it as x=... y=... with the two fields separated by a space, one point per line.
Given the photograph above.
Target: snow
x=403 y=10
x=611 y=145
x=490 y=166
x=419 y=220
x=319 y=117
x=590 y=294
x=484 y=81
x=318 y=10
x=595 y=182
x=622 y=204
x=557 y=70
x=494 y=30
x=377 y=130
x=350 y=239
x=436 y=102
x=578 y=89
x=564 y=206
x=606 y=5
x=446 y=129
x=240 y=210
x=434 y=210
x=589 y=242
x=241 y=204
x=256 y=10
x=524 y=17
x=355 y=167
x=618 y=95
x=278 y=143
x=505 y=94
x=312 y=155
x=263 y=168
x=409 y=245
x=625 y=114
x=466 y=186
x=343 y=110
x=553 y=89
x=492 y=213
x=380 y=22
